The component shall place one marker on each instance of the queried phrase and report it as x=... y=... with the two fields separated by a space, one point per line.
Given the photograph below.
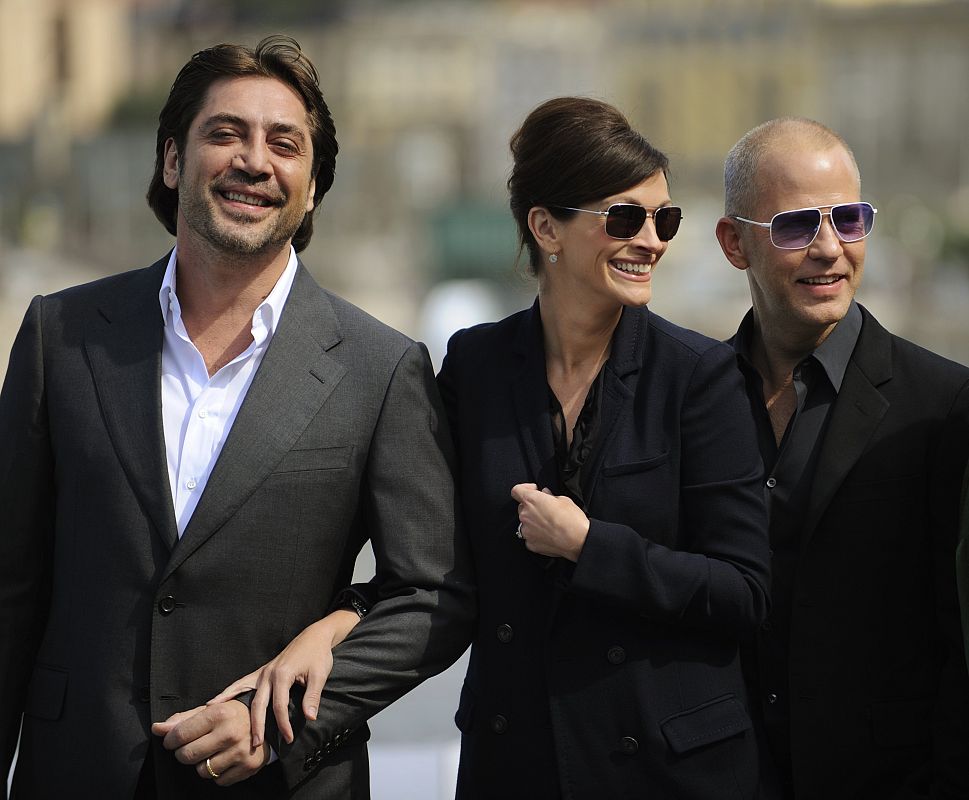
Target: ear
x=731 y=242
x=311 y=196
x=545 y=229
x=170 y=169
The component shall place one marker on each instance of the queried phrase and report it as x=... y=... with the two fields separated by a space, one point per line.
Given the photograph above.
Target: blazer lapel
x=618 y=382
x=857 y=412
x=292 y=383
x=530 y=390
x=124 y=347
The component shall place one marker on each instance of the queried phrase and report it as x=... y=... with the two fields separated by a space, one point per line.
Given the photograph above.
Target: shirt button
x=203 y=413
x=499 y=724
x=505 y=633
x=615 y=654
x=771 y=482
x=772 y=698
x=628 y=745
x=191 y=483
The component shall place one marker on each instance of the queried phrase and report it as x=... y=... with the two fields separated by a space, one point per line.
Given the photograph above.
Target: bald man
x=860 y=671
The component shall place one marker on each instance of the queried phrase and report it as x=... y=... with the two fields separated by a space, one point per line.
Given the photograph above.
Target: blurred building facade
x=426 y=94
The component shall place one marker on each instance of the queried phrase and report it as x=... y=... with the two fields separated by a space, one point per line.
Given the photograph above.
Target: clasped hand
x=216 y=739
x=551 y=525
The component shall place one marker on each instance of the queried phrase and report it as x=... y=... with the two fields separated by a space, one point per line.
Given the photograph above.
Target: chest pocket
x=641 y=494
x=318 y=458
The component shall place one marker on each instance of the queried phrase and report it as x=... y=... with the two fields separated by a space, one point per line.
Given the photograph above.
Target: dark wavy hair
x=278 y=57
x=571 y=151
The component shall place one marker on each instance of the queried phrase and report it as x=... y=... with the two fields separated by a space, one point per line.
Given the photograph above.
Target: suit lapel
x=625 y=360
x=292 y=383
x=530 y=391
x=124 y=347
x=857 y=412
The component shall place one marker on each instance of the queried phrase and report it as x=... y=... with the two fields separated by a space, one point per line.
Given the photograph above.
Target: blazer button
x=771 y=698
x=616 y=654
x=628 y=746
x=499 y=724
x=166 y=605
x=505 y=633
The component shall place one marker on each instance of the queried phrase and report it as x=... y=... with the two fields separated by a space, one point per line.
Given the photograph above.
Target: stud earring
x=553 y=258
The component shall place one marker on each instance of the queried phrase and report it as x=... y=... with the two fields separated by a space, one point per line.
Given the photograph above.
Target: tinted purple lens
x=624 y=220
x=853 y=221
x=794 y=229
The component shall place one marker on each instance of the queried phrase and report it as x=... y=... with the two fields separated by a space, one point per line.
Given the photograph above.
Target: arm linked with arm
x=424 y=607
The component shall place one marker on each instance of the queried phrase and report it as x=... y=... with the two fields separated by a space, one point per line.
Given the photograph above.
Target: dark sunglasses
x=625 y=220
x=792 y=230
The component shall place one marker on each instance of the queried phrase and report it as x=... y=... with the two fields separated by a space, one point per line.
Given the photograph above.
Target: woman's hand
x=551 y=525
x=306 y=660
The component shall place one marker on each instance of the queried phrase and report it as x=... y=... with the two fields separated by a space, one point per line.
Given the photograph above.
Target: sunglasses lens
x=624 y=221
x=667 y=221
x=853 y=221
x=792 y=230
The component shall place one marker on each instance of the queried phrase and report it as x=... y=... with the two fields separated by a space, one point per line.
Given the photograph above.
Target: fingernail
x=311 y=712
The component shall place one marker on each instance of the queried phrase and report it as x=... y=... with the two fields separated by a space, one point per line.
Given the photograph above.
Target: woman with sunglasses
x=611 y=488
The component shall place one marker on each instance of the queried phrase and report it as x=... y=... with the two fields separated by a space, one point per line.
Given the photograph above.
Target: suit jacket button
x=505 y=633
x=771 y=698
x=499 y=724
x=616 y=654
x=166 y=605
x=628 y=745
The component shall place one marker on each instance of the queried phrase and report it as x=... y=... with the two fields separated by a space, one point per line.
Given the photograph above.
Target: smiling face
x=802 y=294
x=244 y=181
x=594 y=269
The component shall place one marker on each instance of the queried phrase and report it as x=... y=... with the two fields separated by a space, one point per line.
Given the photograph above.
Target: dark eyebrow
x=225 y=118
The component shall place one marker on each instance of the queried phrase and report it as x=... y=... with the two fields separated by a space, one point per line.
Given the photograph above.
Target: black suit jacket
x=618 y=676
x=109 y=621
x=879 y=698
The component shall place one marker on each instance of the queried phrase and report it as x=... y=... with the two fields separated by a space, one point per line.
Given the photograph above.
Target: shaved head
x=745 y=160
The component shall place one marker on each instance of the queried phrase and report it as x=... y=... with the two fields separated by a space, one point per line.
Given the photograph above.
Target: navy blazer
x=617 y=676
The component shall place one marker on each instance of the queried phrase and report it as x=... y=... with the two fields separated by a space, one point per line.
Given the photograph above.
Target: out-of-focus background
x=426 y=94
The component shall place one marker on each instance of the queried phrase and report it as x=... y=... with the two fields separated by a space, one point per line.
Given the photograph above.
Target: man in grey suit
x=194 y=454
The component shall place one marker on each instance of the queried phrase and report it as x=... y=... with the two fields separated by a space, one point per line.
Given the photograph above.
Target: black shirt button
x=505 y=633
x=166 y=605
x=771 y=482
x=771 y=698
x=766 y=627
x=628 y=745
x=499 y=724
x=616 y=654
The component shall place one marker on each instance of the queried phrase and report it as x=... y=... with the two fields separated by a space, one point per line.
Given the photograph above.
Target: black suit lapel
x=292 y=383
x=124 y=347
x=857 y=412
x=618 y=388
x=530 y=390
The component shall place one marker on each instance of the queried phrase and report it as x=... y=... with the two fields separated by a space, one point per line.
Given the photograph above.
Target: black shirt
x=790 y=468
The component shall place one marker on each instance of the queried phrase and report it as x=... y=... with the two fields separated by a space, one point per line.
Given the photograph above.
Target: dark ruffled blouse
x=571 y=458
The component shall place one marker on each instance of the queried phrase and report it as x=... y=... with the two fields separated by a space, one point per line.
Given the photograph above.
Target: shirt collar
x=832 y=354
x=267 y=313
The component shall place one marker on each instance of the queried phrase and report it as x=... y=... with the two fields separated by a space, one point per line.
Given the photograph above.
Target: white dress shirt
x=198 y=411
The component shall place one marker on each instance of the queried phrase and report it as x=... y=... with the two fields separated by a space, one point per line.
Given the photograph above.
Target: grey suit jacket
x=110 y=622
